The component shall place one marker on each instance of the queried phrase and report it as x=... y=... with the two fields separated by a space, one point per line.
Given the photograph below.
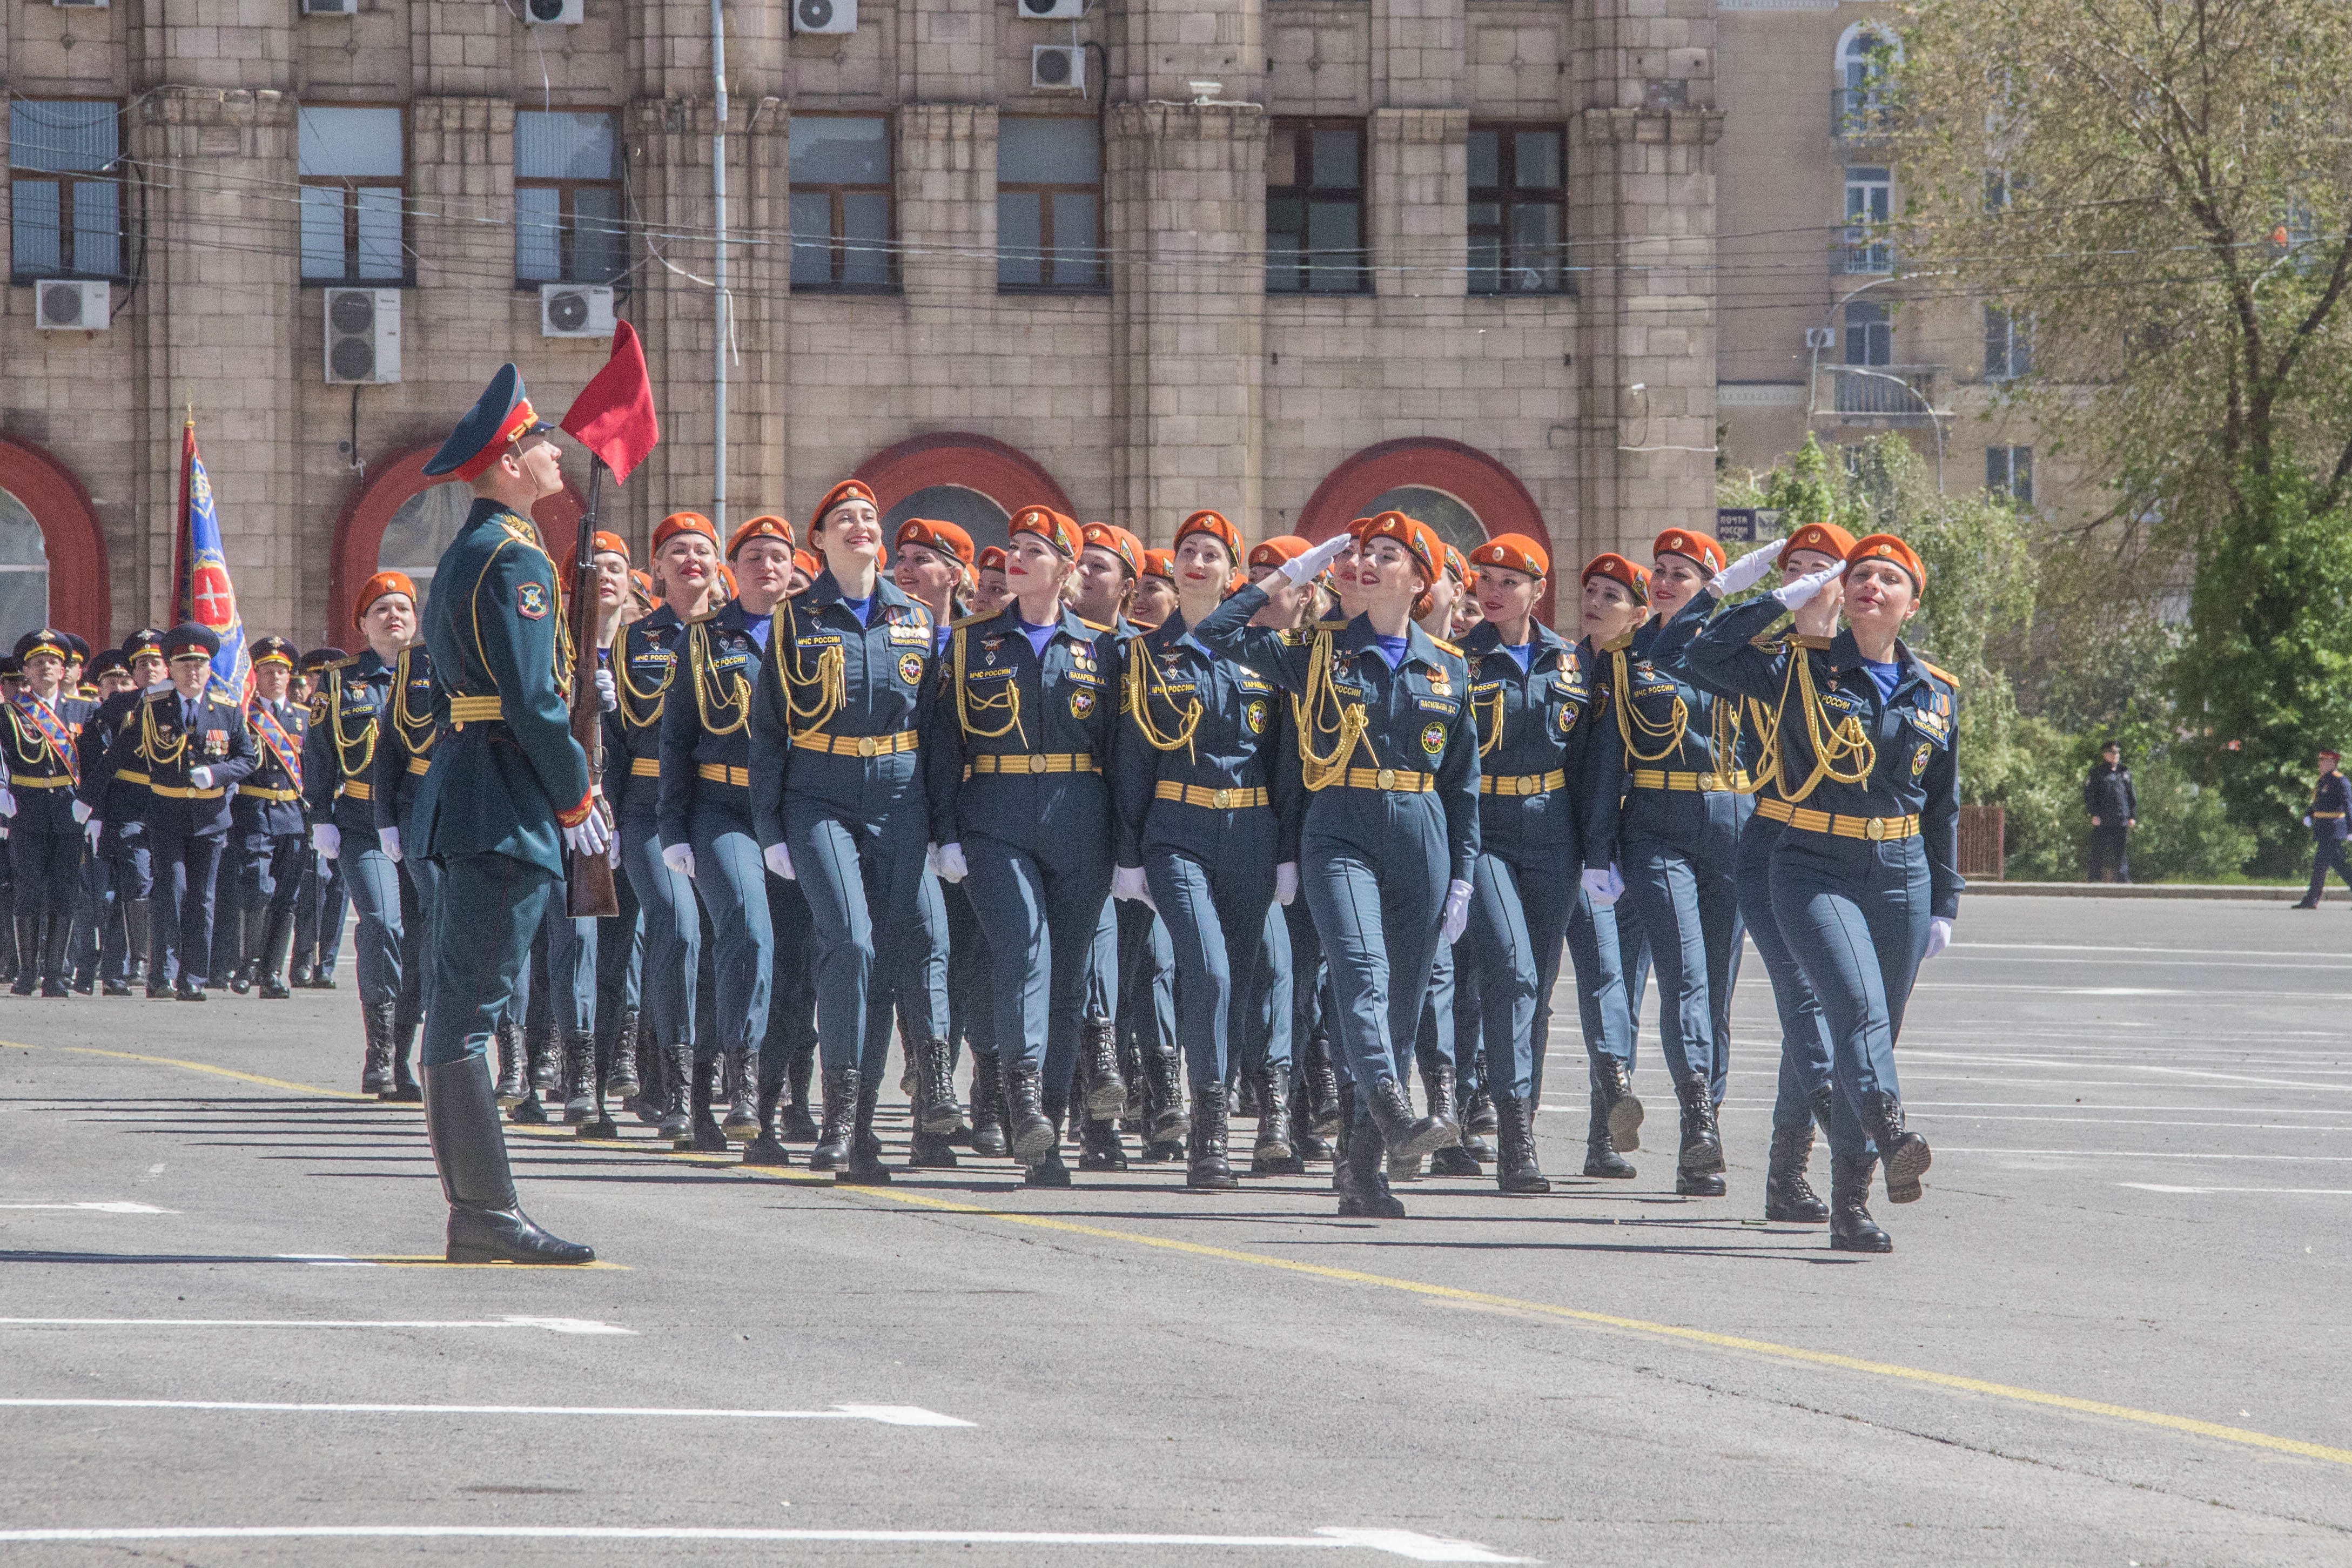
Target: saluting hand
x=1309 y=566
x=1744 y=573
x=1798 y=594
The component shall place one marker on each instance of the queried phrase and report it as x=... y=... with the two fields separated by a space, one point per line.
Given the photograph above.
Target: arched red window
x=52 y=551
x=419 y=531
x=971 y=480
x=1459 y=490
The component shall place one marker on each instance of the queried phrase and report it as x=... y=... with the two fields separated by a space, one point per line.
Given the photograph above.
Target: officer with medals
x=1196 y=777
x=46 y=803
x=1020 y=734
x=320 y=905
x=507 y=794
x=125 y=874
x=192 y=745
x=270 y=832
x=1390 y=758
x=1865 y=875
x=837 y=802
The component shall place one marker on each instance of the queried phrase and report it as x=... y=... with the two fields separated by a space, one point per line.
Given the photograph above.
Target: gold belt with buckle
x=1662 y=779
x=856 y=745
x=1873 y=829
x=720 y=773
x=1032 y=762
x=1523 y=783
x=175 y=792
x=35 y=781
x=279 y=797
x=1234 y=798
x=1403 y=780
x=125 y=776
x=475 y=710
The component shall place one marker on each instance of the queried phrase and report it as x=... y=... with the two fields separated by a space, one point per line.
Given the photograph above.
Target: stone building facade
x=1536 y=354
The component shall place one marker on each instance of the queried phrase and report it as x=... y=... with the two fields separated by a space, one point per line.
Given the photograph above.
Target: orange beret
x=807 y=565
x=1514 y=552
x=1119 y=542
x=375 y=588
x=1051 y=526
x=992 y=559
x=1360 y=526
x=945 y=538
x=1279 y=550
x=847 y=490
x=679 y=523
x=1632 y=575
x=1689 y=542
x=764 y=527
x=1824 y=538
x=1214 y=525
x=1160 y=563
x=600 y=543
x=1419 y=541
x=1886 y=547
x=644 y=581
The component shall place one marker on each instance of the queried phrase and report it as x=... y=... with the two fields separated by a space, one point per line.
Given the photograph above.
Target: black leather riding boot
x=486 y=1224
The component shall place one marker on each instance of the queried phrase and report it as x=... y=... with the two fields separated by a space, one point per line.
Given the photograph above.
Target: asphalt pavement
x=2113 y=1331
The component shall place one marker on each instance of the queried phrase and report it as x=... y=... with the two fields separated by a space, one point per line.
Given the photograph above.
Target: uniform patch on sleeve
x=531 y=600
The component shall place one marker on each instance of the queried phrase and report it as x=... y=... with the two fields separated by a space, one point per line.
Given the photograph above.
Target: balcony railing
x=1861 y=113
x=1898 y=394
x=1864 y=248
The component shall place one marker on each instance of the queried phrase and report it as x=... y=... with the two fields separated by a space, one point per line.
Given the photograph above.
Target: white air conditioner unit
x=576 y=311
x=824 y=15
x=1058 y=68
x=82 y=4
x=1820 y=337
x=1050 y=10
x=362 y=337
x=555 y=13
x=72 y=305
x=331 y=7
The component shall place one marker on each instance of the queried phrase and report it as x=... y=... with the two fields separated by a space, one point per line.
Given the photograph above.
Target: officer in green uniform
x=506 y=795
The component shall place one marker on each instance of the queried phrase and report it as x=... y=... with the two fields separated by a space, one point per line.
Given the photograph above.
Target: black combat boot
x=1100 y=1148
x=653 y=1093
x=277 y=945
x=1789 y=1197
x=510 y=1040
x=622 y=1079
x=579 y=1079
x=1273 y=1154
x=58 y=940
x=1163 y=1098
x=1481 y=1123
x=1207 y=1168
x=987 y=1106
x=793 y=1119
x=539 y=1078
x=1850 y=1228
x=831 y=1151
x=486 y=1224
x=865 y=1167
x=935 y=1093
x=1362 y=1175
x=244 y=929
x=1698 y=1169
x=375 y=1033
x=1029 y=1131
x=742 y=1121
x=1516 y=1168
x=1345 y=1137
x=930 y=1152
x=703 y=1136
x=1323 y=1118
x=1047 y=1169
x=404 y=1088
x=1304 y=1141
x=1902 y=1153
x=768 y=1149
x=1601 y=1155
x=1612 y=1084
x=676 y=1124
x=599 y=1123
x=1401 y=1134
x=1098 y=1065
x=28 y=957
x=1437 y=1081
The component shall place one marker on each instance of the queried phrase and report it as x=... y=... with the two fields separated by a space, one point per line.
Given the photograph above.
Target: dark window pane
x=840 y=150
x=1535 y=247
x=1282 y=258
x=538 y=256
x=1485 y=215
x=561 y=146
x=1485 y=264
x=1018 y=238
x=1075 y=262
x=357 y=143
x=866 y=226
x=98 y=237
x=1282 y=158
x=1535 y=164
x=34 y=235
x=322 y=232
x=54 y=137
x=1486 y=159
x=1031 y=151
x=812 y=236
x=1335 y=160
x=598 y=249
x=1332 y=230
x=1286 y=215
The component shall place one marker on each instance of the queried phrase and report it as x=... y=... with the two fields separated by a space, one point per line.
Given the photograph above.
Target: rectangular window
x=1049 y=202
x=2009 y=471
x=567 y=198
x=1315 y=207
x=1869 y=333
x=841 y=202
x=65 y=206
x=2008 y=352
x=355 y=207
x=1519 y=209
x=1869 y=203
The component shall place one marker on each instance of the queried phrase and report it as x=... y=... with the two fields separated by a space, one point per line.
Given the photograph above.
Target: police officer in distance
x=45 y=799
x=125 y=870
x=2330 y=821
x=507 y=794
x=269 y=833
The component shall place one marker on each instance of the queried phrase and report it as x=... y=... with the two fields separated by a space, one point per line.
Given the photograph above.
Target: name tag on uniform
x=1482 y=687
x=1252 y=683
x=819 y=640
x=986 y=675
x=1085 y=677
x=1437 y=704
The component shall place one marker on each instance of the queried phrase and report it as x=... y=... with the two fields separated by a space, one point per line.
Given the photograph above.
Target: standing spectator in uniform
x=2329 y=825
x=2115 y=811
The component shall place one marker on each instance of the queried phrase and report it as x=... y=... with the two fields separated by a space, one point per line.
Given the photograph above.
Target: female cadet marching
x=1679 y=845
x=1539 y=773
x=837 y=803
x=1865 y=875
x=645 y=665
x=1195 y=776
x=1012 y=770
x=1390 y=759
x=337 y=786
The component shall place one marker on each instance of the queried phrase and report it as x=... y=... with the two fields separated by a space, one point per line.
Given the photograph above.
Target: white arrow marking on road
x=552 y=1325
x=886 y=1414
x=117 y=1207
x=1406 y=1543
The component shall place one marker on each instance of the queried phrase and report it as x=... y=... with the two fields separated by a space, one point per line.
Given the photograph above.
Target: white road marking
x=2322 y=963
x=2202 y=996
x=1406 y=1543
x=883 y=1415
x=552 y=1325
x=2156 y=1155
x=2279 y=1191
x=1910 y=1107
x=2169 y=952
x=116 y=1207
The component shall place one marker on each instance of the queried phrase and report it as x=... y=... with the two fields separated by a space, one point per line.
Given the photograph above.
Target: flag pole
x=588 y=890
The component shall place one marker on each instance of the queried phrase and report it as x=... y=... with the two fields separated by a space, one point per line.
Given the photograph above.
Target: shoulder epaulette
x=1802 y=641
x=343 y=663
x=974 y=618
x=1335 y=623
x=1095 y=625
x=1770 y=641
x=1446 y=646
x=1946 y=676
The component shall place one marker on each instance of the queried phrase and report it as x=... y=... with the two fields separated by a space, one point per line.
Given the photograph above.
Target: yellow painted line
x=198 y=1067
x=2010 y=1392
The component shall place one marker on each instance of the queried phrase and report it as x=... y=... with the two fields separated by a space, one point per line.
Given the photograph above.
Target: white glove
x=81 y=810
x=1457 y=912
x=1798 y=594
x=1309 y=566
x=1286 y=884
x=1939 y=937
x=950 y=864
x=607 y=698
x=777 y=859
x=679 y=858
x=96 y=829
x=593 y=836
x=328 y=840
x=201 y=777
x=8 y=802
x=2306 y=821
x=1602 y=887
x=390 y=839
x=1127 y=882
x=1743 y=574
